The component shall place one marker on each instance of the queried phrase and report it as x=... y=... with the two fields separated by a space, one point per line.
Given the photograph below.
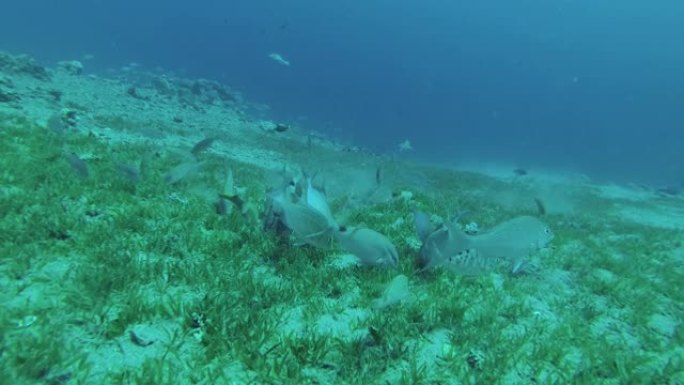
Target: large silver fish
x=307 y=224
x=316 y=199
x=371 y=247
x=512 y=241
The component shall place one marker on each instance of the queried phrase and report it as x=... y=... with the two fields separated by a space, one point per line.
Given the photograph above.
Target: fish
x=316 y=199
x=436 y=246
x=307 y=224
x=131 y=173
x=237 y=196
x=56 y=124
x=278 y=58
x=280 y=127
x=202 y=145
x=396 y=292
x=513 y=241
x=228 y=194
x=520 y=171
x=541 y=207
x=438 y=243
x=79 y=165
x=182 y=171
x=371 y=247
x=405 y=146
x=422 y=223
x=144 y=165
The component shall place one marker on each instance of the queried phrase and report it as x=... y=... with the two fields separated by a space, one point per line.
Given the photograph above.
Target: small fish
x=79 y=165
x=541 y=208
x=144 y=167
x=405 y=146
x=669 y=190
x=371 y=247
x=129 y=172
x=237 y=196
x=396 y=292
x=278 y=58
x=202 y=145
x=151 y=132
x=182 y=171
x=280 y=127
x=56 y=124
x=520 y=171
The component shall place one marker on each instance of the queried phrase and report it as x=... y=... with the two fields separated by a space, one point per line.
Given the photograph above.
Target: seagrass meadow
x=112 y=272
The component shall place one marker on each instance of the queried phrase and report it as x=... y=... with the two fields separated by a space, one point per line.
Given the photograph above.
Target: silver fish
x=371 y=247
x=202 y=145
x=306 y=223
x=316 y=199
x=422 y=223
x=396 y=291
x=79 y=165
x=513 y=241
x=182 y=171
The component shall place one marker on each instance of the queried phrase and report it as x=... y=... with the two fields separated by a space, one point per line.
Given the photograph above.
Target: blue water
x=589 y=86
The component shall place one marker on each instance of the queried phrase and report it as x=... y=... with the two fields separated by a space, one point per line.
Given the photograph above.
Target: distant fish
x=278 y=58
x=371 y=247
x=79 y=165
x=520 y=172
x=56 y=124
x=202 y=145
x=131 y=173
x=669 y=190
x=144 y=167
x=281 y=127
x=405 y=146
x=182 y=171
x=541 y=208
